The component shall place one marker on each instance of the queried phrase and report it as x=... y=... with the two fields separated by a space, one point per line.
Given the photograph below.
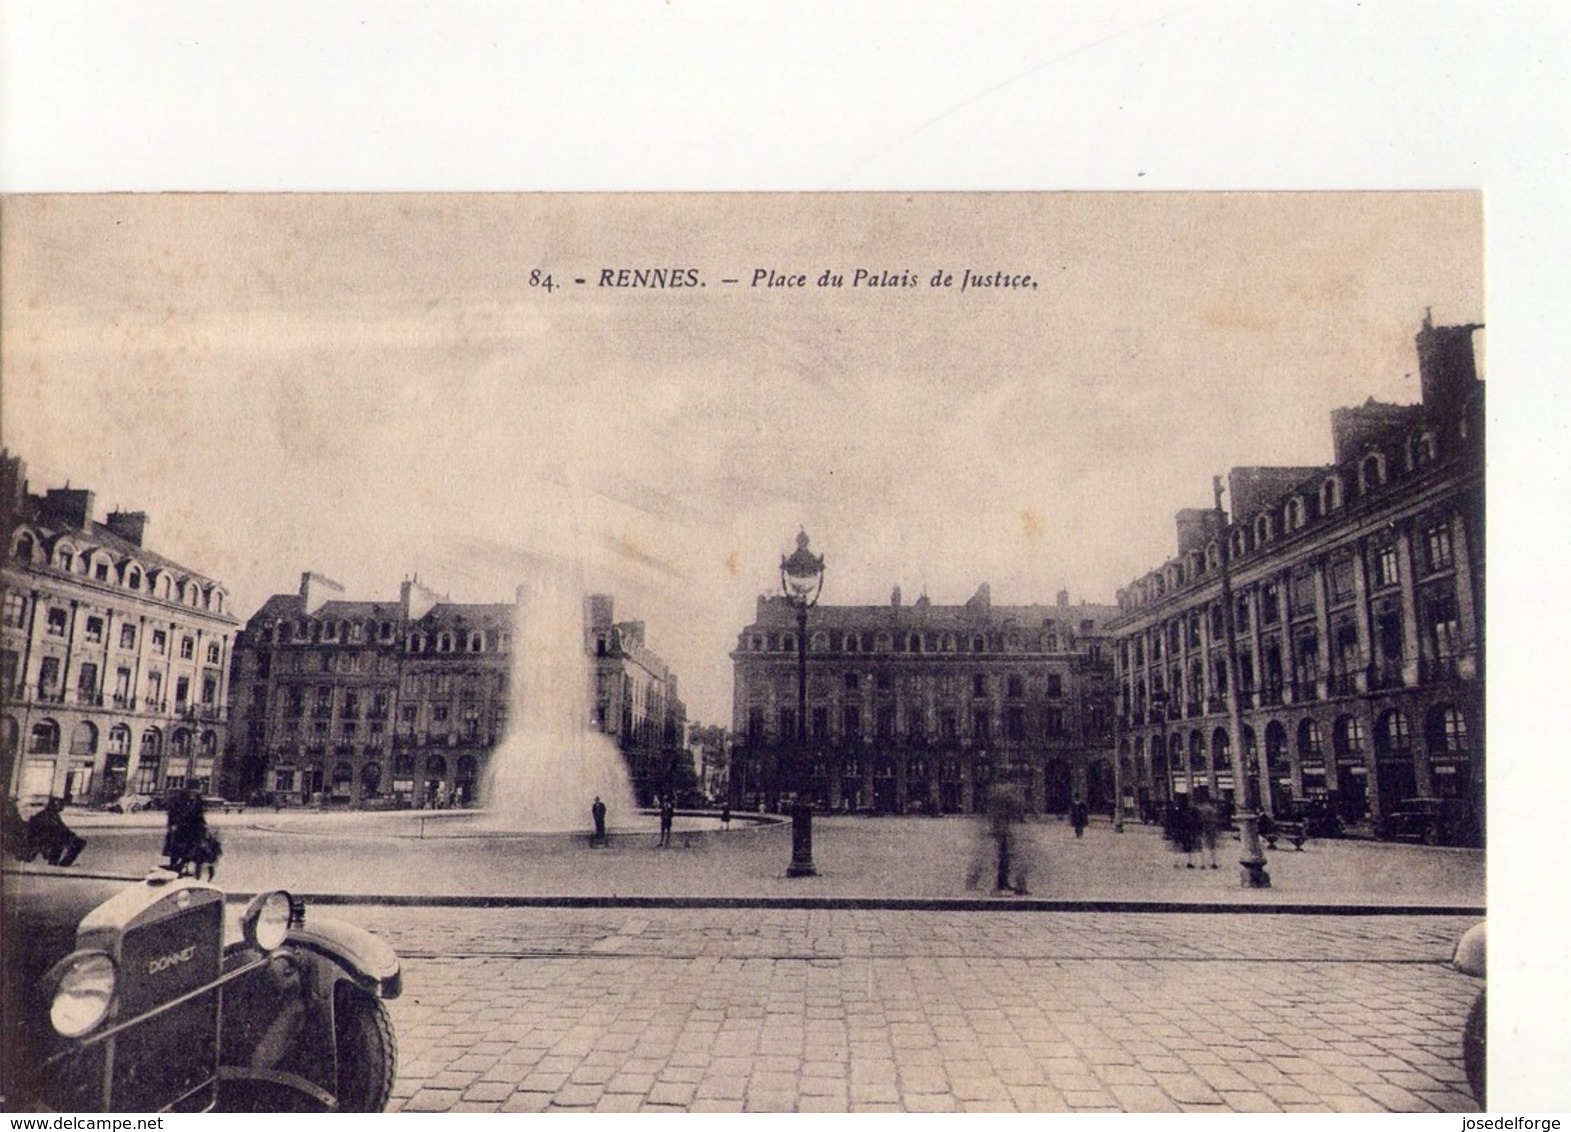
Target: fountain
x=550 y=765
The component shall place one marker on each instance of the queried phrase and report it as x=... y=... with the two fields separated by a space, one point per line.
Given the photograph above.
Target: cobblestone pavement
x=818 y=1010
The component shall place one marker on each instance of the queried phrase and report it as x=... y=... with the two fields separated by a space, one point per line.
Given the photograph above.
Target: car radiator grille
x=170 y=1058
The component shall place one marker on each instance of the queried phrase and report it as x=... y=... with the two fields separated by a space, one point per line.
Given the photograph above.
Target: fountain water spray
x=551 y=763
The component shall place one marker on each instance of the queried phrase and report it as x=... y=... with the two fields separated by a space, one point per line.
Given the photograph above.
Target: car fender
x=366 y=959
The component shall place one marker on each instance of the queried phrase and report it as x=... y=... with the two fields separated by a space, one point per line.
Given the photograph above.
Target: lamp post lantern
x=801 y=580
x=1253 y=874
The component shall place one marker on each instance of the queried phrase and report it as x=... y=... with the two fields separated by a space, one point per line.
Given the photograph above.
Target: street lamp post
x=801 y=580
x=1254 y=863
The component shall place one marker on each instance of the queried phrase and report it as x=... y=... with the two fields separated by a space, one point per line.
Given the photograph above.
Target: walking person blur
x=1002 y=841
x=597 y=811
x=1208 y=820
x=1181 y=829
x=1079 y=816
x=725 y=815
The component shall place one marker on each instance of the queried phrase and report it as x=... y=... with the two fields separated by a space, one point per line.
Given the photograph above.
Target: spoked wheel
x=367 y=1050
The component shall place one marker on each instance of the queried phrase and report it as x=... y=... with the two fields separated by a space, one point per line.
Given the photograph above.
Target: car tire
x=134 y=808
x=367 y=1051
x=1474 y=1059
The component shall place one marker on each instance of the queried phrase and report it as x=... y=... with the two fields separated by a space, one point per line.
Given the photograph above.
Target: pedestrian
x=1180 y=830
x=1208 y=819
x=1079 y=816
x=1005 y=811
x=597 y=811
x=725 y=815
x=667 y=817
x=49 y=836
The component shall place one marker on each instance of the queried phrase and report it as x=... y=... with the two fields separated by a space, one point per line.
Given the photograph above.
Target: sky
x=380 y=386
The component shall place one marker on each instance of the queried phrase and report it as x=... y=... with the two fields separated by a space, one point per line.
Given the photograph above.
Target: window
x=1016 y=687
x=439 y=713
x=214 y=652
x=948 y=724
x=1302 y=594
x=1385 y=569
x=979 y=685
x=15 y=610
x=1343 y=583
x=852 y=718
x=187 y=648
x=133 y=578
x=182 y=690
x=1270 y=604
x=160 y=641
x=1014 y=722
x=128 y=636
x=55 y=623
x=1437 y=546
x=1054 y=720
x=1330 y=495
x=1371 y=472
x=1055 y=685
x=852 y=681
x=101 y=571
x=982 y=726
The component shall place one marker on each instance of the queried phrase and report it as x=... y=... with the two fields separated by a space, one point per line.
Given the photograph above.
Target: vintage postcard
x=744 y=651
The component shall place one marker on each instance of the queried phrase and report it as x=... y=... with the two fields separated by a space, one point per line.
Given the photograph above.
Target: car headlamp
x=267 y=919
x=84 y=988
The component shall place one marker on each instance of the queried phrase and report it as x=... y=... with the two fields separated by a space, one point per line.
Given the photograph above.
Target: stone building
x=1359 y=607
x=920 y=707
x=369 y=703
x=635 y=698
x=400 y=703
x=114 y=660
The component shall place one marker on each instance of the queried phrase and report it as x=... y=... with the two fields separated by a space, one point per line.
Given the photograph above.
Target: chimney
x=73 y=507
x=129 y=525
x=317 y=590
x=1447 y=371
x=415 y=598
x=1063 y=599
x=894 y=597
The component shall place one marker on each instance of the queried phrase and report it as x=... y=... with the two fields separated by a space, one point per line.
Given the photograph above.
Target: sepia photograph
x=694 y=558
x=744 y=652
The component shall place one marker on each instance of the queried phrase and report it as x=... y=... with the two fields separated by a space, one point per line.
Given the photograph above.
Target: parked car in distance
x=214 y=802
x=129 y=804
x=144 y=996
x=1429 y=821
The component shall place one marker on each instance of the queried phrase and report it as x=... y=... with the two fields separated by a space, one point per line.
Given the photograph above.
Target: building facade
x=114 y=660
x=635 y=698
x=1358 y=593
x=400 y=703
x=920 y=708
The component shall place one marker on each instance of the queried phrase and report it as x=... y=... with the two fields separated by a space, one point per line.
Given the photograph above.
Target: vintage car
x=150 y=996
x=1469 y=958
x=1429 y=821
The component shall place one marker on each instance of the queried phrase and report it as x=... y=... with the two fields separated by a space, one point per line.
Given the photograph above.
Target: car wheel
x=367 y=1051
x=135 y=807
x=1474 y=1060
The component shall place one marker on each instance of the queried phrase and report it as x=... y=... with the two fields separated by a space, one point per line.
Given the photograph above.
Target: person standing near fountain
x=597 y=811
x=667 y=817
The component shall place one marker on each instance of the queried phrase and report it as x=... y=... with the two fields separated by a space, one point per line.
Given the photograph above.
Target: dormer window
x=1295 y=515
x=1263 y=529
x=1330 y=495
x=1372 y=472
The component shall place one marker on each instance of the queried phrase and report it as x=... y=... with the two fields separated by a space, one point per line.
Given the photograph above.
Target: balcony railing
x=1271 y=695
x=1437 y=669
x=1192 y=708
x=1343 y=684
x=88 y=698
x=1213 y=704
x=1385 y=676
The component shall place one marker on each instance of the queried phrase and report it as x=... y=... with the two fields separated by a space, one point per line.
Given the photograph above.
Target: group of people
x=667 y=809
x=1191 y=828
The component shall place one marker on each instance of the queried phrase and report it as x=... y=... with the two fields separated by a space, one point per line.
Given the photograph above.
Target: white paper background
x=681 y=95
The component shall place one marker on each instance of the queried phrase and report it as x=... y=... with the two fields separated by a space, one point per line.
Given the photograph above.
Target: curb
x=885 y=904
